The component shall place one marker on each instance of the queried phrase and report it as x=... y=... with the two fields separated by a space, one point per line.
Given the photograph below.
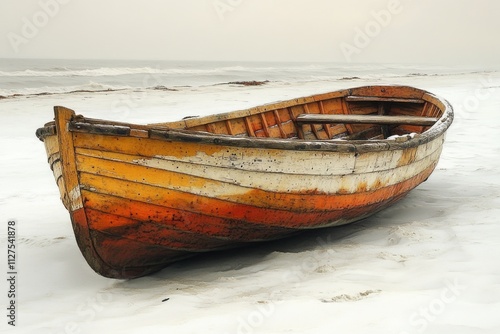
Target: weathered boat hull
x=141 y=197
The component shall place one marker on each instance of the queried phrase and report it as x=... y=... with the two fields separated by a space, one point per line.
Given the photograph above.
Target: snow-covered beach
x=426 y=265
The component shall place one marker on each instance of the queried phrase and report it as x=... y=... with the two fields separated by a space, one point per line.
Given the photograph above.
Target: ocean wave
x=59 y=79
x=91 y=87
x=188 y=70
x=119 y=71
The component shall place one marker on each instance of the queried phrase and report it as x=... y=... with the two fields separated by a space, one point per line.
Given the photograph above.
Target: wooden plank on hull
x=219 y=180
x=250 y=200
x=179 y=219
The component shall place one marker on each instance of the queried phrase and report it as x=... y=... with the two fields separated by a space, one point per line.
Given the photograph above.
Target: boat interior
x=323 y=118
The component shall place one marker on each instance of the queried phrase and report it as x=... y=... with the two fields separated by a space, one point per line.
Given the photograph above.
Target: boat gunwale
x=162 y=132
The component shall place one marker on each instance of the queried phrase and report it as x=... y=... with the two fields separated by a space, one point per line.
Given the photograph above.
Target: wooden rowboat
x=143 y=196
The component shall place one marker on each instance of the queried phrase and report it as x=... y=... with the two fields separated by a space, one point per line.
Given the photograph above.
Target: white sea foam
x=90 y=87
x=110 y=71
x=36 y=77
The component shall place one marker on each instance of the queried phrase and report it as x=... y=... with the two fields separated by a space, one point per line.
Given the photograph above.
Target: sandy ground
x=429 y=264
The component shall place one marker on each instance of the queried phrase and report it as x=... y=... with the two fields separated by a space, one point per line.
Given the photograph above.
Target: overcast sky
x=464 y=32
